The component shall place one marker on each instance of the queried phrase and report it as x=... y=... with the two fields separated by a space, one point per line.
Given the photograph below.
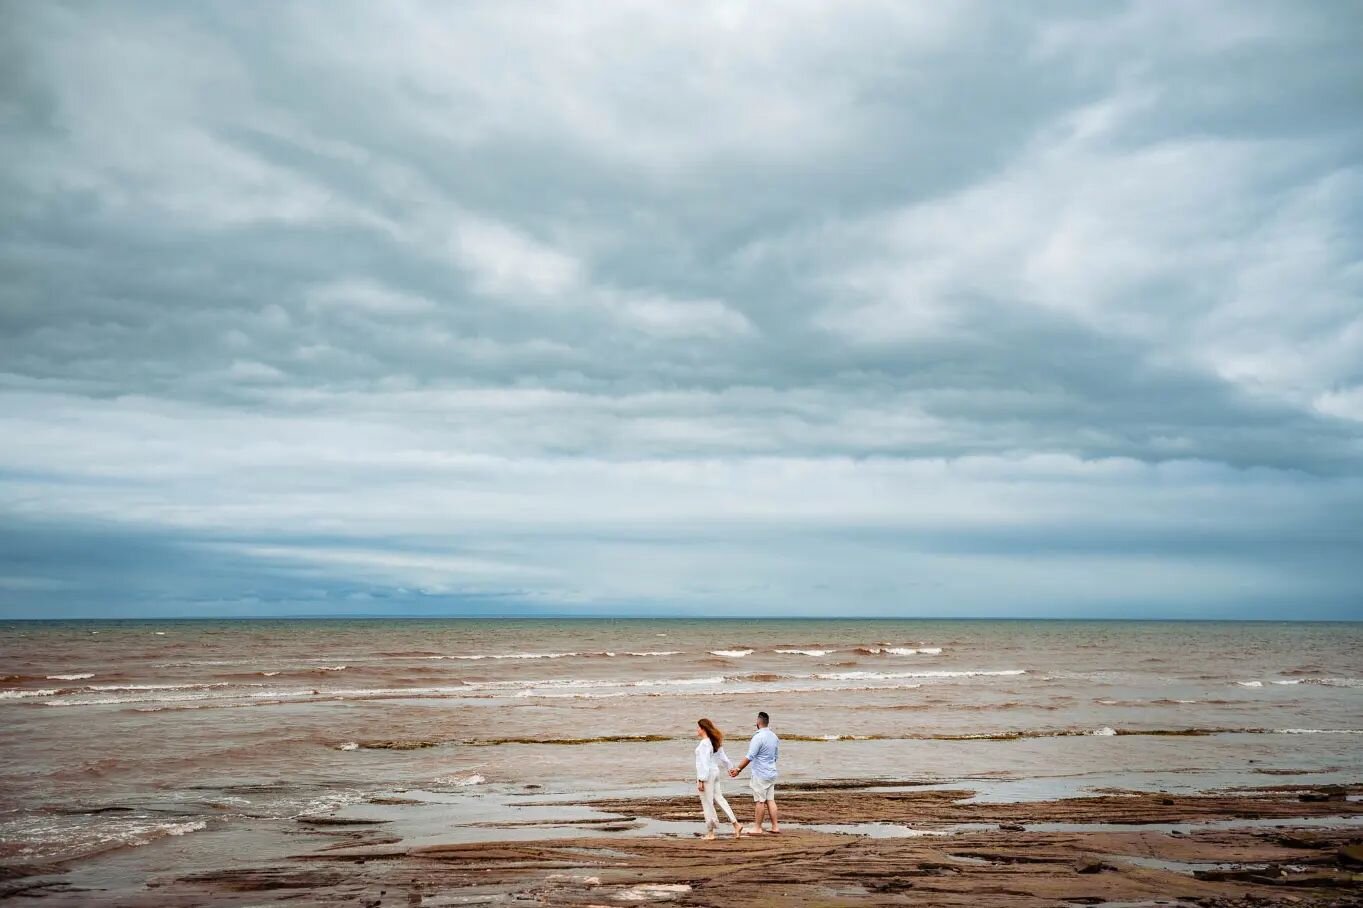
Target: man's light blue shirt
x=762 y=752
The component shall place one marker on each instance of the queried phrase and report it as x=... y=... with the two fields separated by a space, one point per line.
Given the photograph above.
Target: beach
x=448 y=762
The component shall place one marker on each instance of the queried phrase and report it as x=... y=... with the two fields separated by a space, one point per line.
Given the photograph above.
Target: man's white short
x=762 y=789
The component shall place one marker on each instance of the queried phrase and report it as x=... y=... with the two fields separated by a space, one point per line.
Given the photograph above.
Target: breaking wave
x=926 y=673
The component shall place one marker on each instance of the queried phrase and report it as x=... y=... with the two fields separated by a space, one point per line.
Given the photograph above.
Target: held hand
x=733 y=773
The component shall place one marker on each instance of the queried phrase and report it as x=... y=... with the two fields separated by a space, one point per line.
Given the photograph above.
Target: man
x=762 y=752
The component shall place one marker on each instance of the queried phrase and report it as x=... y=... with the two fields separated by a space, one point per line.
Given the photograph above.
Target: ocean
x=188 y=740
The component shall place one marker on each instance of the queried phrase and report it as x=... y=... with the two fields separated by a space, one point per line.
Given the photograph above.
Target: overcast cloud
x=695 y=308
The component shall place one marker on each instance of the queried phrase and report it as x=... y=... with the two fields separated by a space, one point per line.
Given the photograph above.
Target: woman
x=710 y=757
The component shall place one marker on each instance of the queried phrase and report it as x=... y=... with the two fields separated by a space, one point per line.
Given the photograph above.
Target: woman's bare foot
x=710 y=836
x=738 y=830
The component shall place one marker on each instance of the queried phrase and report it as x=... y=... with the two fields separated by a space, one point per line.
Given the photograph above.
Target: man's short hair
x=764 y=719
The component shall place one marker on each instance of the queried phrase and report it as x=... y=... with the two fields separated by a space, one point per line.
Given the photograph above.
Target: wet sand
x=884 y=842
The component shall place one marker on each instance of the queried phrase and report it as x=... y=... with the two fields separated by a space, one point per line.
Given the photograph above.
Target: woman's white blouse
x=709 y=760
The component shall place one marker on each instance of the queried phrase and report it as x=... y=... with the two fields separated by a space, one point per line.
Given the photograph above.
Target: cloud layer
x=499 y=307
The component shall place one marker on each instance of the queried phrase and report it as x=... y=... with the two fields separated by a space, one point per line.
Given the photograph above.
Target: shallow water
x=124 y=734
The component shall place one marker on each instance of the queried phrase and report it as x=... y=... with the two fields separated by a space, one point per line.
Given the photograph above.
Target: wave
x=597 y=695
x=203 y=685
x=912 y=651
x=25 y=694
x=806 y=652
x=1010 y=735
x=49 y=838
x=227 y=694
x=475 y=658
x=678 y=682
x=1108 y=732
x=656 y=652
x=926 y=673
x=567 y=742
x=1161 y=701
x=1323 y=682
x=460 y=781
x=77 y=677
x=589 y=682
x=348 y=745
x=731 y=653
x=838 y=737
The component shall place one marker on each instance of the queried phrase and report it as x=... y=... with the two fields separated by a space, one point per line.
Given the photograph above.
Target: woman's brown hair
x=714 y=734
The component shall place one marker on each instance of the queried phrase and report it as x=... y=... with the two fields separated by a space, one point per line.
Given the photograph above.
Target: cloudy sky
x=697 y=308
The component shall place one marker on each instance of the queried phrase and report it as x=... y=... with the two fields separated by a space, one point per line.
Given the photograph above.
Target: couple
x=710 y=757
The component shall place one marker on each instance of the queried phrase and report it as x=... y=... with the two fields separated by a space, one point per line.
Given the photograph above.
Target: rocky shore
x=853 y=843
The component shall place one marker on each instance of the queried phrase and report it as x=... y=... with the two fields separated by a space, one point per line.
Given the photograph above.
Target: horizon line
x=634 y=617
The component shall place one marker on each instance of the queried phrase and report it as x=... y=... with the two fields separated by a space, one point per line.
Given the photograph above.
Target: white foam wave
x=1104 y=732
x=656 y=652
x=679 y=682
x=889 y=676
x=1288 y=681
x=1318 y=731
x=79 y=677
x=64 y=837
x=349 y=745
x=461 y=781
x=326 y=804
x=806 y=652
x=151 y=697
x=584 y=695
x=475 y=658
x=1250 y=683
x=912 y=651
x=537 y=688
x=731 y=653
x=201 y=686
x=1337 y=682
x=25 y=694
x=331 y=668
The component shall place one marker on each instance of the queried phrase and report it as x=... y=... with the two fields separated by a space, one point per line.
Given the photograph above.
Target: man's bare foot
x=710 y=836
x=774 y=831
x=757 y=830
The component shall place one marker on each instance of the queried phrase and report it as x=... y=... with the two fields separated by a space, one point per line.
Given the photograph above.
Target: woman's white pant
x=711 y=796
